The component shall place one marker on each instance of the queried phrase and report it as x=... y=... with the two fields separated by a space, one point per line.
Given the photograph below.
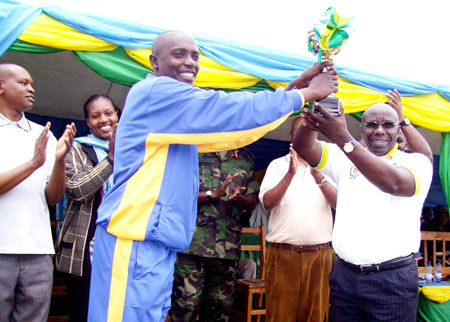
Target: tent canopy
x=225 y=64
x=72 y=55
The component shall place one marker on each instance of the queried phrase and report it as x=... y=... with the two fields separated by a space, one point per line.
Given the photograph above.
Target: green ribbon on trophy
x=326 y=39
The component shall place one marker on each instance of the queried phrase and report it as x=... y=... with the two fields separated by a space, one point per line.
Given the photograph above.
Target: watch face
x=348 y=147
x=209 y=193
x=405 y=122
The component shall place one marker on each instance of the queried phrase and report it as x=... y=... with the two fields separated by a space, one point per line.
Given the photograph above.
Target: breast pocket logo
x=354 y=172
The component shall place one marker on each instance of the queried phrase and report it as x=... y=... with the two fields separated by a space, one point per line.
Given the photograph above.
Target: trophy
x=325 y=41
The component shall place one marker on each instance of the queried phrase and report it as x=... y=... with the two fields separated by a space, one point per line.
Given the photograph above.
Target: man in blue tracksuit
x=149 y=213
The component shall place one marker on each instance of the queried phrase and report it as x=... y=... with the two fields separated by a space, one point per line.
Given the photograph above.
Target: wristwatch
x=323 y=182
x=209 y=195
x=349 y=146
x=405 y=122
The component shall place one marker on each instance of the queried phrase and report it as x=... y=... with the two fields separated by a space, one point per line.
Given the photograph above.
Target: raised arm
x=416 y=141
x=305 y=143
x=12 y=178
x=57 y=184
x=82 y=181
x=394 y=180
x=328 y=190
x=320 y=84
x=305 y=78
x=272 y=197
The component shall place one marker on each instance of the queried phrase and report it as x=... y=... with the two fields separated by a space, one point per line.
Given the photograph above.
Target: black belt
x=302 y=248
x=390 y=264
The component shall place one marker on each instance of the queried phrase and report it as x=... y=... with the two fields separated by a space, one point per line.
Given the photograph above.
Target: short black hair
x=96 y=97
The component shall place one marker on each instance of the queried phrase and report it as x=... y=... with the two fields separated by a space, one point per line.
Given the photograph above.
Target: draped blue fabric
x=262 y=62
x=14 y=19
x=116 y=31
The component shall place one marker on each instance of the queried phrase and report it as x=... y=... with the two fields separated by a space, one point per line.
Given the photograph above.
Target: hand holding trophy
x=325 y=41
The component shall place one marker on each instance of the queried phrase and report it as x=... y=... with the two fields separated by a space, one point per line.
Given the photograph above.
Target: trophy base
x=329 y=104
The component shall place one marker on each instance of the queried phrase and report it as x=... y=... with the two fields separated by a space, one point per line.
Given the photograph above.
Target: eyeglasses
x=375 y=124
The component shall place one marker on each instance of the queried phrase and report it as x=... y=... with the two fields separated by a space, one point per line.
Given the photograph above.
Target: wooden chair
x=58 y=308
x=439 y=242
x=254 y=286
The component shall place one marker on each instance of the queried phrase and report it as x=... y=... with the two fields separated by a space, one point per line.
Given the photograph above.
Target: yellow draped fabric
x=438 y=294
x=48 y=32
x=430 y=111
x=212 y=74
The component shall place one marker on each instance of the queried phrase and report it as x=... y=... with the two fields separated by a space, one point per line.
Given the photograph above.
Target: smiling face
x=101 y=117
x=379 y=128
x=175 y=55
x=16 y=90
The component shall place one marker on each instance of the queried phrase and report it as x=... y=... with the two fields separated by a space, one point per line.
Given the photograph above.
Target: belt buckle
x=363 y=267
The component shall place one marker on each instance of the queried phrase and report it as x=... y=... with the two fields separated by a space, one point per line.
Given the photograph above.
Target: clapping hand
x=219 y=192
x=293 y=164
x=40 y=147
x=112 y=142
x=64 y=144
x=237 y=191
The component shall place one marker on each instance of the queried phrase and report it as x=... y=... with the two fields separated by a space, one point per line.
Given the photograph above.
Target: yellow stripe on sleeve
x=416 y=178
x=222 y=141
x=323 y=157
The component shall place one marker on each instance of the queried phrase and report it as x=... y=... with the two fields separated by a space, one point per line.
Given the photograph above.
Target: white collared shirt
x=24 y=215
x=303 y=216
x=372 y=226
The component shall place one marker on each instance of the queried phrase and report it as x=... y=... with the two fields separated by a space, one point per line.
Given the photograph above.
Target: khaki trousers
x=297 y=286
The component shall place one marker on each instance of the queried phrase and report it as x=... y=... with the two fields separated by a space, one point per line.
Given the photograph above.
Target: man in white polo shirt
x=381 y=191
x=299 y=250
x=32 y=173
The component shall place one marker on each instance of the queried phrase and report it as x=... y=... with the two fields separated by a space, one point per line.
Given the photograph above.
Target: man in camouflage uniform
x=205 y=273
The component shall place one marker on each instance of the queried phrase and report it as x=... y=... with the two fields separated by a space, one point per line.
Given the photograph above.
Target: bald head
x=380 y=108
x=7 y=70
x=16 y=91
x=175 y=54
x=379 y=128
x=167 y=38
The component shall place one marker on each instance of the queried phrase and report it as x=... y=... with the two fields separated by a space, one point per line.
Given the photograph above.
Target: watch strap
x=323 y=182
x=349 y=146
x=405 y=122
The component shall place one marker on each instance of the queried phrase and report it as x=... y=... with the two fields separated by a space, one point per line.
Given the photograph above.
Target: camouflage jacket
x=218 y=228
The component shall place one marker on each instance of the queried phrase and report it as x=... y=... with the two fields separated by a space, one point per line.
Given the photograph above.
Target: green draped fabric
x=118 y=67
x=430 y=311
x=115 y=65
x=357 y=115
x=444 y=170
x=24 y=47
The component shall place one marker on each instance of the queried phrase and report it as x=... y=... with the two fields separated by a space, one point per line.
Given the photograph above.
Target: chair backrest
x=260 y=246
x=435 y=245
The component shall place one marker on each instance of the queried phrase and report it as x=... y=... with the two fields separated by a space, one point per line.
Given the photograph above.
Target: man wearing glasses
x=381 y=191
